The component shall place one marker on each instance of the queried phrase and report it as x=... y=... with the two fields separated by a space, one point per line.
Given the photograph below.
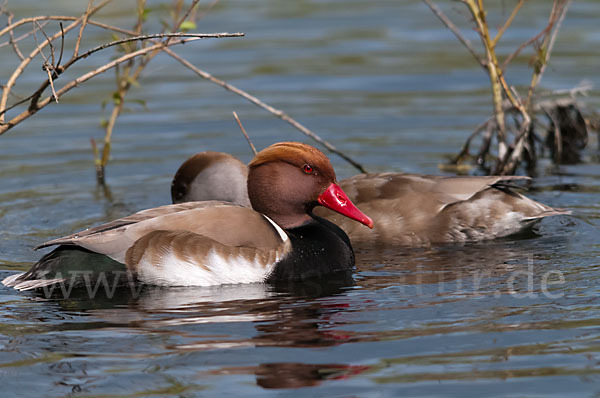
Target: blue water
x=388 y=85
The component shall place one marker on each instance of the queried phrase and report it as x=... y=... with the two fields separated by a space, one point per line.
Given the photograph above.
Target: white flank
x=218 y=270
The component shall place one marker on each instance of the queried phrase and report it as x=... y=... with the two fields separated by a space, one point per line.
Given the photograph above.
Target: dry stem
x=237 y=119
x=41 y=104
x=249 y=97
x=558 y=15
x=506 y=100
x=19 y=70
x=450 y=25
x=37 y=105
x=277 y=112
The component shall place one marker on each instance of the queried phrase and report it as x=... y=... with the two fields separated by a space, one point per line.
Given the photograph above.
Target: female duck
x=408 y=209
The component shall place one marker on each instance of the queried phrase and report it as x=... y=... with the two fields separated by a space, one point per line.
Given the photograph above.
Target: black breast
x=319 y=248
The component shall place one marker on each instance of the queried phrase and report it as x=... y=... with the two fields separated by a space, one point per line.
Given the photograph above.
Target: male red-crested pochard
x=407 y=209
x=211 y=243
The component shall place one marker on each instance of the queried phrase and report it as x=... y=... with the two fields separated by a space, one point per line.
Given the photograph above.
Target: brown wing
x=225 y=223
x=445 y=190
x=127 y=220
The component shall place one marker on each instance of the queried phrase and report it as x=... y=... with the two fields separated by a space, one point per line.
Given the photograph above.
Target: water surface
x=386 y=83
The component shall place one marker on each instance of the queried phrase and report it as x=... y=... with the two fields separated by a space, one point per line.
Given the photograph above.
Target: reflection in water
x=282 y=336
x=440 y=265
x=388 y=84
x=294 y=374
x=194 y=322
x=295 y=315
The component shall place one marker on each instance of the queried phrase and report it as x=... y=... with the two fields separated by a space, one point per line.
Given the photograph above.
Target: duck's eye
x=307 y=169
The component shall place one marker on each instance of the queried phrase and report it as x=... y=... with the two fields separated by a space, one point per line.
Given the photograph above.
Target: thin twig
x=190 y=36
x=48 y=40
x=20 y=38
x=38 y=44
x=176 y=27
x=52 y=84
x=48 y=67
x=124 y=82
x=282 y=115
x=466 y=146
x=42 y=18
x=237 y=119
x=537 y=76
x=557 y=135
x=494 y=72
x=508 y=22
x=466 y=42
x=527 y=43
x=83 y=78
x=12 y=40
x=19 y=70
x=277 y=112
x=187 y=13
x=62 y=45
x=84 y=20
x=583 y=88
x=485 y=144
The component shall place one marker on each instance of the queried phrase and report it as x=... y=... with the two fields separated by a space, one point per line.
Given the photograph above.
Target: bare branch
x=51 y=84
x=466 y=42
x=45 y=18
x=50 y=68
x=190 y=36
x=83 y=78
x=19 y=70
x=508 y=22
x=467 y=145
x=237 y=119
x=12 y=40
x=538 y=74
x=53 y=17
x=62 y=45
x=84 y=20
x=187 y=14
x=277 y=112
x=48 y=40
x=158 y=46
x=535 y=38
x=18 y=39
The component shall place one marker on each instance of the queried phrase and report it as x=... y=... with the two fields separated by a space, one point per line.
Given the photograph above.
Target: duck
x=278 y=238
x=407 y=209
x=207 y=169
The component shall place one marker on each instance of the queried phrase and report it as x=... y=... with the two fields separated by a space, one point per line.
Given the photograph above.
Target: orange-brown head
x=288 y=179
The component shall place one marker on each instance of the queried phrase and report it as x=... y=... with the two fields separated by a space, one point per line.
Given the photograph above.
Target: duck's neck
x=319 y=248
x=291 y=221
